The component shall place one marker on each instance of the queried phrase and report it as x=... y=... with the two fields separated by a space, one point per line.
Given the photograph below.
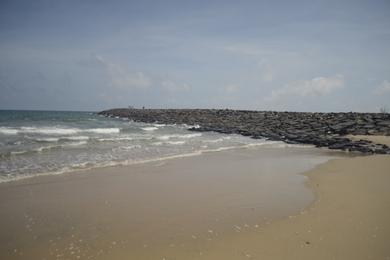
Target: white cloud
x=125 y=79
x=121 y=77
x=267 y=73
x=320 y=86
x=174 y=86
x=259 y=50
x=244 y=50
x=230 y=89
x=383 y=88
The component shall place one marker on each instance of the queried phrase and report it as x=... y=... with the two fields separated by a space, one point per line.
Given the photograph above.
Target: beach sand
x=241 y=204
x=378 y=139
x=349 y=220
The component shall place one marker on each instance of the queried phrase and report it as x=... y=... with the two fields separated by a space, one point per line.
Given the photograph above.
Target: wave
x=93 y=165
x=125 y=138
x=18 y=152
x=150 y=128
x=131 y=147
x=55 y=130
x=176 y=142
x=217 y=140
x=185 y=126
x=190 y=135
x=49 y=139
x=75 y=144
x=48 y=147
x=8 y=131
x=184 y=136
x=47 y=130
x=115 y=139
x=103 y=130
x=55 y=139
x=35 y=150
x=169 y=142
x=75 y=138
x=84 y=166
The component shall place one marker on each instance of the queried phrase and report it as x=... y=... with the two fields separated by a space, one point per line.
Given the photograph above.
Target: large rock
x=319 y=129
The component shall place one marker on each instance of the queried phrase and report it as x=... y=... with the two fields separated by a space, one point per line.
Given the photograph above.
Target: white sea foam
x=180 y=136
x=48 y=147
x=62 y=147
x=120 y=149
x=56 y=130
x=75 y=144
x=18 y=152
x=44 y=148
x=150 y=128
x=164 y=137
x=114 y=139
x=36 y=150
x=75 y=138
x=185 y=126
x=176 y=142
x=49 y=139
x=81 y=165
x=169 y=142
x=217 y=140
x=125 y=138
x=47 y=130
x=102 y=130
x=190 y=135
x=93 y=164
x=8 y=131
x=131 y=147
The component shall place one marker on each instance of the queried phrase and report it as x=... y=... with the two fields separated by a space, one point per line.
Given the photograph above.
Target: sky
x=326 y=56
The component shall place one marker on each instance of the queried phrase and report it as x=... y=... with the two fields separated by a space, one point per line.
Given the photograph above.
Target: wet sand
x=349 y=220
x=187 y=208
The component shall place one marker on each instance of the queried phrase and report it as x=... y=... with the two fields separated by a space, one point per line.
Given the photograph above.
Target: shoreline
x=154 y=207
x=346 y=206
x=166 y=158
x=347 y=220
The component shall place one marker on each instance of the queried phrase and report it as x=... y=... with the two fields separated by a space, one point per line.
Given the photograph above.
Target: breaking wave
x=55 y=130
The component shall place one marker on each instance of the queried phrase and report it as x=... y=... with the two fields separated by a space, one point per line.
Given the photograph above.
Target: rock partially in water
x=319 y=129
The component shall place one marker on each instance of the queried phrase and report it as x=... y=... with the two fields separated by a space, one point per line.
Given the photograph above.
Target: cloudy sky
x=264 y=55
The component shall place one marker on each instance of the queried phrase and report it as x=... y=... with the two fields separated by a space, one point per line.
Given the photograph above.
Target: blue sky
x=263 y=55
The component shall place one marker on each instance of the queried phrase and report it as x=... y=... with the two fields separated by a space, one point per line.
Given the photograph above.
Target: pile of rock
x=320 y=129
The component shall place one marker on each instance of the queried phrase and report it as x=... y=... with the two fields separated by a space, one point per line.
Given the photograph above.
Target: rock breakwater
x=319 y=129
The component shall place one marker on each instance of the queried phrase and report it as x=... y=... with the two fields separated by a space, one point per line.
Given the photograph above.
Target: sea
x=36 y=143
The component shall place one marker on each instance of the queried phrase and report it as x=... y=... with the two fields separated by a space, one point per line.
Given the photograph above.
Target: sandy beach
x=349 y=219
x=239 y=204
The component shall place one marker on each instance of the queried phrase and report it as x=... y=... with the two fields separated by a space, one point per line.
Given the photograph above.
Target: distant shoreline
x=319 y=129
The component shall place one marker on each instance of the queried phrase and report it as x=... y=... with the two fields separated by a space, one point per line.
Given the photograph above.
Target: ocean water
x=50 y=142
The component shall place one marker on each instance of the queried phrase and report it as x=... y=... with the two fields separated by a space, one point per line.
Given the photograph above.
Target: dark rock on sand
x=319 y=129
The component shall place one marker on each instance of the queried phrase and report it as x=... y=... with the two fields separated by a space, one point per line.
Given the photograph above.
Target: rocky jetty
x=319 y=129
